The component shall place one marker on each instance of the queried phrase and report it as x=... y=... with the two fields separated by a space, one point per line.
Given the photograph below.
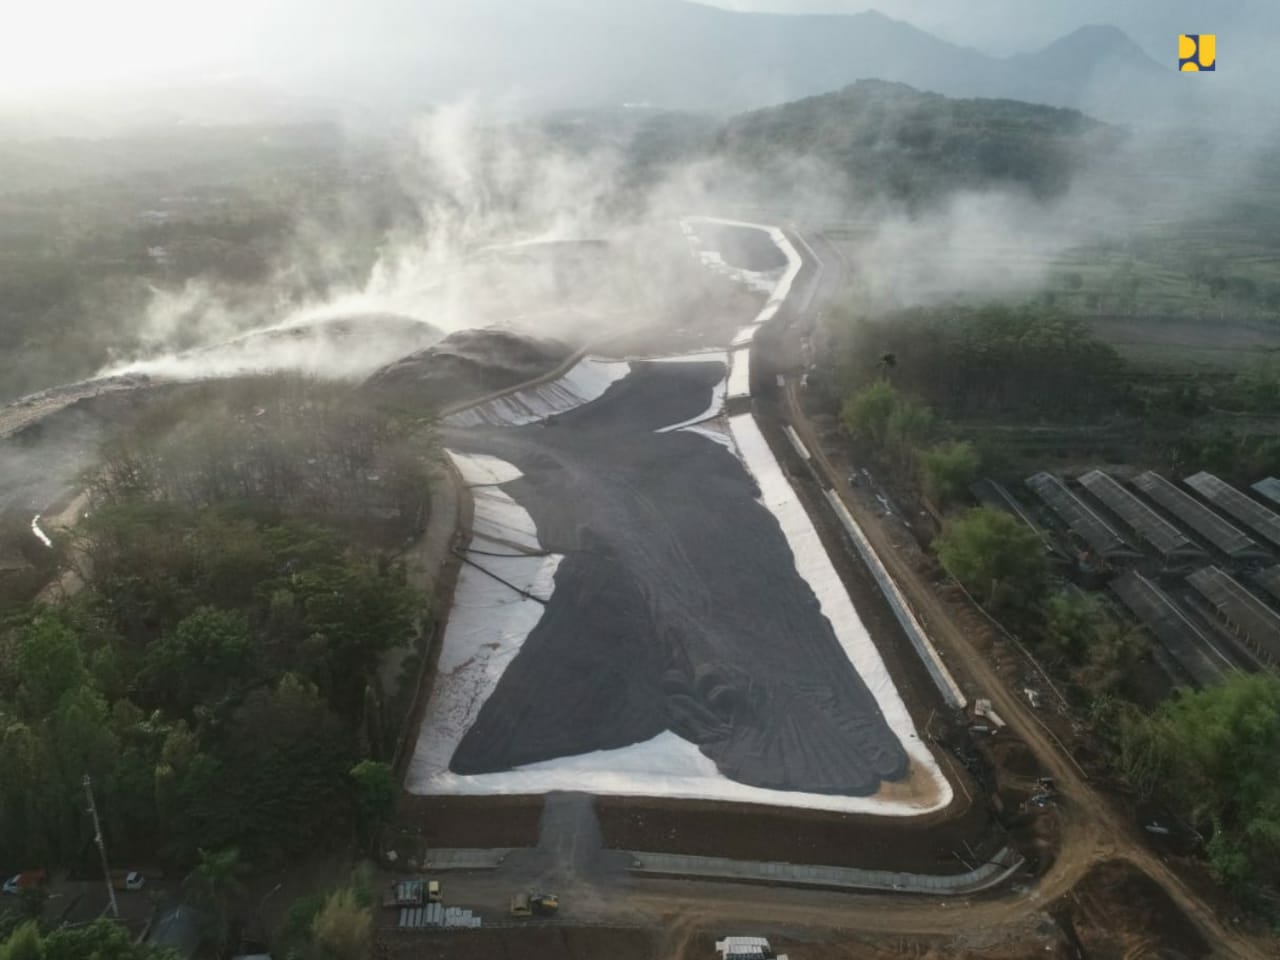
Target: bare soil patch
x=522 y=943
x=1118 y=912
x=745 y=832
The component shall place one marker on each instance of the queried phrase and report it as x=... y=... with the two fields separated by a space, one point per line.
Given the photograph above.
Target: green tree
x=375 y=786
x=23 y=943
x=995 y=556
x=909 y=426
x=1070 y=624
x=215 y=883
x=299 y=918
x=50 y=664
x=1216 y=754
x=1100 y=647
x=99 y=940
x=275 y=783
x=343 y=929
x=207 y=652
x=947 y=470
x=866 y=414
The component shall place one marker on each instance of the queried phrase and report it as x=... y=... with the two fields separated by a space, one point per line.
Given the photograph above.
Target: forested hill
x=912 y=144
x=888 y=140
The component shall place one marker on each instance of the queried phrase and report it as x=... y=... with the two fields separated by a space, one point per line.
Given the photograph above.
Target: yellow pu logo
x=1197 y=52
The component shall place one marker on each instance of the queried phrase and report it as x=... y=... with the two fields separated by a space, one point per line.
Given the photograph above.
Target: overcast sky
x=50 y=45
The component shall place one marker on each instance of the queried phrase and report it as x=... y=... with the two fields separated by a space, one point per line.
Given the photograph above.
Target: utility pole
x=102 y=847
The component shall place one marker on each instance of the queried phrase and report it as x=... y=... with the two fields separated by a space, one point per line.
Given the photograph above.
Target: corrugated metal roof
x=1076 y=514
x=1246 y=613
x=1184 y=641
x=1152 y=527
x=1269 y=487
x=1227 y=537
x=1245 y=509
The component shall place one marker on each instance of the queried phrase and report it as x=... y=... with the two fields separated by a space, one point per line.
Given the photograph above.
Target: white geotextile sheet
x=779 y=289
x=40 y=534
x=759 y=281
x=500 y=519
x=665 y=766
x=488 y=622
x=739 y=374
x=815 y=566
x=585 y=381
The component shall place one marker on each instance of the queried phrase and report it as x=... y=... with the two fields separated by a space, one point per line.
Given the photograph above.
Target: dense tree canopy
x=997 y=557
x=1019 y=363
x=1216 y=752
x=99 y=940
x=214 y=679
x=892 y=140
x=947 y=470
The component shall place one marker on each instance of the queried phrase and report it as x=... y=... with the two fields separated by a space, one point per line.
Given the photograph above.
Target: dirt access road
x=1094 y=829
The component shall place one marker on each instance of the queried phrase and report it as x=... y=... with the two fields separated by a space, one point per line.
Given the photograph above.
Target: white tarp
x=739 y=374
x=488 y=621
x=781 y=289
x=815 y=566
x=760 y=281
x=585 y=381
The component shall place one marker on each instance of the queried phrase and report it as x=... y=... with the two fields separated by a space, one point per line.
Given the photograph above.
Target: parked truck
x=28 y=878
x=412 y=893
x=530 y=904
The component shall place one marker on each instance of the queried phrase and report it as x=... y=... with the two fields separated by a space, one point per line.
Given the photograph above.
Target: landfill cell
x=677 y=605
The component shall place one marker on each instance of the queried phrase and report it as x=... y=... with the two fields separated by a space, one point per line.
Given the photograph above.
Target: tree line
x=218 y=672
x=1022 y=363
x=311 y=449
x=217 y=677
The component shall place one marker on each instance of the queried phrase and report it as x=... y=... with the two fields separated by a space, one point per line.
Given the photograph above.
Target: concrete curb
x=813 y=876
x=988 y=875
x=938 y=671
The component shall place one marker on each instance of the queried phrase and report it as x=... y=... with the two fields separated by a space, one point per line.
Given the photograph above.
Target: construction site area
x=694 y=686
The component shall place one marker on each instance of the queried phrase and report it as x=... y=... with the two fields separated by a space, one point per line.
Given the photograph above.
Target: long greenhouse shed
x=1079 y=516
x=1227 y=537
x=1230 y=500
x=1269 y=487
x=1247 y=615
x=1171 y=542
x=1269 y=580
x=1186 y=643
